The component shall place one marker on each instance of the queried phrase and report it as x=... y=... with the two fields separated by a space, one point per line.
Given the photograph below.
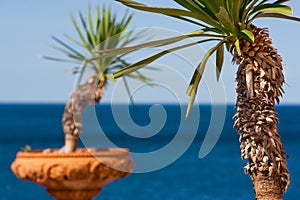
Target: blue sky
x=26 y=28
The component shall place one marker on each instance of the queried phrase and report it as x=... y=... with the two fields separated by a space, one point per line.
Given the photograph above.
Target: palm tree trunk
x=86 y=94
x=259 y=83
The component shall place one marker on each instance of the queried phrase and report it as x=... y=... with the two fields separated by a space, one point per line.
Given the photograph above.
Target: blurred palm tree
x=259 y=76
x=103 y=31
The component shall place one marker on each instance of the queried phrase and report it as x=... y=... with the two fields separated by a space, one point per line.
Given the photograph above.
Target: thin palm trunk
x=259 y=84
x=86 y=94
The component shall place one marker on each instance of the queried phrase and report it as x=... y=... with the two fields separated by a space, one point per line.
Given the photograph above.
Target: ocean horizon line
x=135 y=103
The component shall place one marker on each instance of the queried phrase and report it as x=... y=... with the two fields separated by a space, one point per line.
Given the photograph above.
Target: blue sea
x=171 y=176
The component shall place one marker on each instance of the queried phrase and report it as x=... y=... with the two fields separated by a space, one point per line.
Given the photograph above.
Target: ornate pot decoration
x=79 y=175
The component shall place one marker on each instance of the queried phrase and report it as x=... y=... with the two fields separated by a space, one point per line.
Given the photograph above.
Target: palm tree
x=103 y=31
x=259 y=76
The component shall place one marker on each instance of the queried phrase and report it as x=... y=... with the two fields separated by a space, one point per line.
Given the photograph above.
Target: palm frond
x=173 y=12
x=67 y=49
x=114 y=52
x=278 y=16
x=219 y=60
x=146 y=61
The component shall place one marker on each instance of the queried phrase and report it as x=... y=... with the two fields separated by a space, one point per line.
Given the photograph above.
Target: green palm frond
x=228 y=21
x=114 y=52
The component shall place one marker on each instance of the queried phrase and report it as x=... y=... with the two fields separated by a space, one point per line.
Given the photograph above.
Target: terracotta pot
x=78 y=175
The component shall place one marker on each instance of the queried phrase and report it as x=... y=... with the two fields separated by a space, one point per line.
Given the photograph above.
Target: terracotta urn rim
x=80 y=152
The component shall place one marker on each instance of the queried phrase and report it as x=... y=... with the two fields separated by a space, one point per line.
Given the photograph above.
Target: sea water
x=217 y=175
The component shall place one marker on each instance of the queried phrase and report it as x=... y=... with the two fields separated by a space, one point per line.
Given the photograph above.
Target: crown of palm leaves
x=101 y=31
x=227 y=21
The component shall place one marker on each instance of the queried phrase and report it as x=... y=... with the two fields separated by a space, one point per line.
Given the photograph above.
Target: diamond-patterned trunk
x=86 y=94
x=259 y=84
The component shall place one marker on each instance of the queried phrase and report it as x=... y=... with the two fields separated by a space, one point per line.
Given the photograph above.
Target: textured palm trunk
x=86 y=94
x=259 y=84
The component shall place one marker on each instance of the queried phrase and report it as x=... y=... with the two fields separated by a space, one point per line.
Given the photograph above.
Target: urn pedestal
x=79 y=175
